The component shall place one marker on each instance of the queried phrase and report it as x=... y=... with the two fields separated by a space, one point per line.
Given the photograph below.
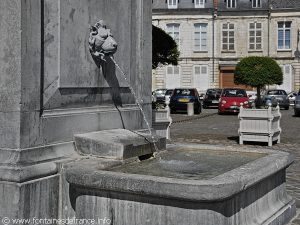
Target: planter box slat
x=260 y=125
x=161 y=121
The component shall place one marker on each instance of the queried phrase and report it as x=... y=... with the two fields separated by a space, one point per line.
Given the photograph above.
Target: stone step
x=118 y=143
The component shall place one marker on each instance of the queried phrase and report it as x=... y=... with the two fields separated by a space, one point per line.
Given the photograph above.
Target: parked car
x=276 y=96
x=297 y=104
x=211 y=97
x=168 y=94
x=232 y=99
x=292 y=97
x=201 y=96
x=159 y=95
x=182 y=96
x=252 y=95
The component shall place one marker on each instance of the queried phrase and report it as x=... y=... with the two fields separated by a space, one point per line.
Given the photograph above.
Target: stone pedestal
x=161 y=122
x=51 y=88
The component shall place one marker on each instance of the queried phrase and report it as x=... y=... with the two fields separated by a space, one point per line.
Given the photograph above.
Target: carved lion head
x=101 y=42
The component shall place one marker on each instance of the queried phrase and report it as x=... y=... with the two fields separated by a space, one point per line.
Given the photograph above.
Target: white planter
x=161 y=121
x=260 y=125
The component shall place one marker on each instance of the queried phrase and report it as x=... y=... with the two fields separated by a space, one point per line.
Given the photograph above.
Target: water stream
x=137 y=102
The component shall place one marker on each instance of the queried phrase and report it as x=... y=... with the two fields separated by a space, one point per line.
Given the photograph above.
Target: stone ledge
x=221 y=187
x=117 y=143
x=19 y=165
x=24 y=173
x=36 y=154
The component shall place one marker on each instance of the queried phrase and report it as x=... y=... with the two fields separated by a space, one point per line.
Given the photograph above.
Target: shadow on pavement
x=254 y=143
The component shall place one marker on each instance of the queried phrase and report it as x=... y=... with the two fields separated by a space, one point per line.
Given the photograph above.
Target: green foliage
x=258 y=71
x=164 y=48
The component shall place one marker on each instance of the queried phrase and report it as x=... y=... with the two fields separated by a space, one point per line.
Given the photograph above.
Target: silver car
x=297 y=105
x=279 y=96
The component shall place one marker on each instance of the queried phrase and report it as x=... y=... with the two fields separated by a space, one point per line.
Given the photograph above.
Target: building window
x=255 y=36
x=172 y=4
x=231 y=3
x=200 y=37
x=256 y=4
x=173 y=77
x=199 y=3
x=173 y=31
x=284 y=35
x=228 y=37
x=201 y=77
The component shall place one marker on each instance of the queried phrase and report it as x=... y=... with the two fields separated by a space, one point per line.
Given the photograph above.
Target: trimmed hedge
x=258 y=71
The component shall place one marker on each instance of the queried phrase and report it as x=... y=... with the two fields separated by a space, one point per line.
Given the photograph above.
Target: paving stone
x=211 y=128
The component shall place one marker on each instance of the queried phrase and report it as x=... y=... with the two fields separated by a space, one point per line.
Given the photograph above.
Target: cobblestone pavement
x=211 y=128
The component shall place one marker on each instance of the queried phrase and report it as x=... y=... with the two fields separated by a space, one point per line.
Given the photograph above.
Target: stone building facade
x=214 y=35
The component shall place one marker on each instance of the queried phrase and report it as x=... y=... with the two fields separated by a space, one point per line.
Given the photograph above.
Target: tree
x=164 y=48
x=258 y=71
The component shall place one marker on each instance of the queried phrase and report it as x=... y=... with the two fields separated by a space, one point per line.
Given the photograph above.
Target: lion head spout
x=101 y=41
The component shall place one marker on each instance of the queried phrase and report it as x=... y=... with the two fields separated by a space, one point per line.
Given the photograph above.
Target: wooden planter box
x=260 y=125
x=161 y=121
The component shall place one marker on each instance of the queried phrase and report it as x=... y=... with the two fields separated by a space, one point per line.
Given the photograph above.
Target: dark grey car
x=212 y=97
x=280 y=97
x=297 y=105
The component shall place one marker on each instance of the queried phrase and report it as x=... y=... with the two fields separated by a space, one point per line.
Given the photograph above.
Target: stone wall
x=51 y=88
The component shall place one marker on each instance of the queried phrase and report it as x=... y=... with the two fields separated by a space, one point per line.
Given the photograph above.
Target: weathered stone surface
x=251 y=194
x=10 y=55
x=67 y=122
x=10 y=129
x=20 y=165
x=45 y=64
x=50 y=89
x=68 y=64
x=68 y=193
x=117 y=143
x=36 y=198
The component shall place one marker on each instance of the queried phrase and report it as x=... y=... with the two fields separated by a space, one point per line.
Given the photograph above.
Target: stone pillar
x=51 y=89
x=24 y=190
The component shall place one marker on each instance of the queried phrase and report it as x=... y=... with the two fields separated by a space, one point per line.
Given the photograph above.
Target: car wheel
x=286 y=108
x=204 y=107
x=173 y=111
x=197 y=110
x=219 y=112
x=297 y=113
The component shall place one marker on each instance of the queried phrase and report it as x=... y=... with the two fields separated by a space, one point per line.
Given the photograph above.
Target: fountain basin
x=250 y=191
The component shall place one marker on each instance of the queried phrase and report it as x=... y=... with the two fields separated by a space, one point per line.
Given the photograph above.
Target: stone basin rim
x=217 y=188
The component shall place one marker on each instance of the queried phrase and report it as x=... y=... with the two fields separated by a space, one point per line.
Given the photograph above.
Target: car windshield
x=184 y=92
x=234 y=93
x=276 y=92
x=160 y=91
x=169 y=92
x=213 y=91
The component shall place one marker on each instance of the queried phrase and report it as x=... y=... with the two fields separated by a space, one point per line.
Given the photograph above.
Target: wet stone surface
x=190 y=164
x=211 y=128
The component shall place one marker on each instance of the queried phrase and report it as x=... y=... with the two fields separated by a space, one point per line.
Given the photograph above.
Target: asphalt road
x=211 y=128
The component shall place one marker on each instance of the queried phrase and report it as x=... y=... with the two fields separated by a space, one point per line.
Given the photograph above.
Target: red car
x=232 y=99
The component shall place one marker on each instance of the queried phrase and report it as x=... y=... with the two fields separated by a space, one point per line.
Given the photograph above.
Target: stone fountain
x=75 y=141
